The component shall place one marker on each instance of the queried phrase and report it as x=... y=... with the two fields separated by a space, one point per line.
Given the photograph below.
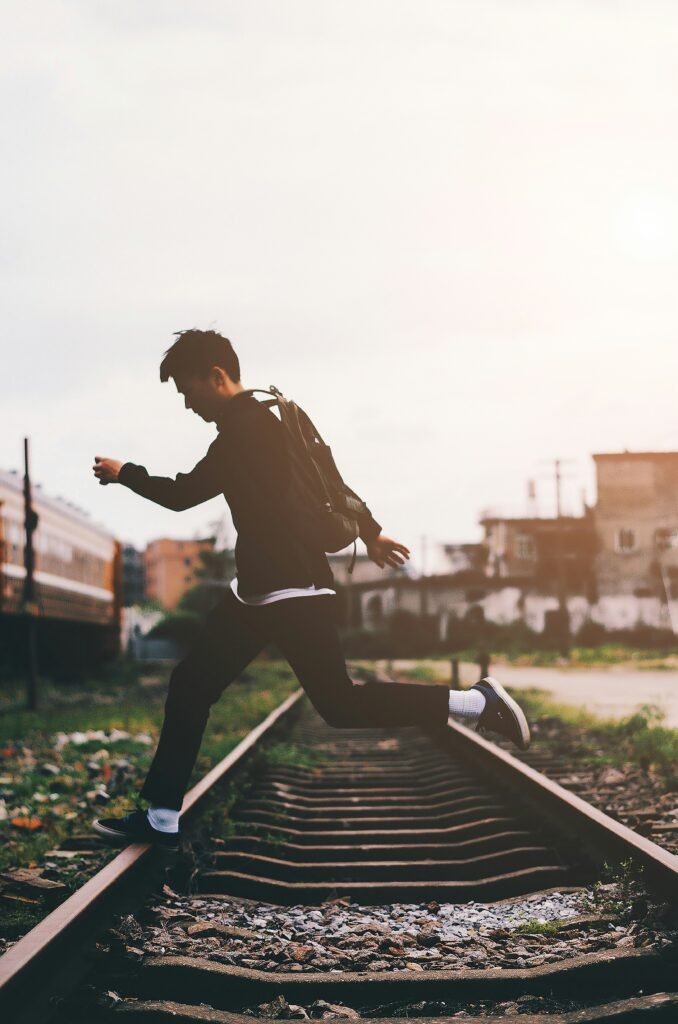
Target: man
x=282 y=592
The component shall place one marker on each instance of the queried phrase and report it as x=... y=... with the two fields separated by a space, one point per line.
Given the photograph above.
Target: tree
x=214 y=575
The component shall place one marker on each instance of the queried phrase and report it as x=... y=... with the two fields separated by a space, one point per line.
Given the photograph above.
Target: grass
x=424 y=673
x=537 y=704
x=16 y=921
x=48 y=806
x=619 y=893
x=283 y=754
x=424 y=670
x=215 y=817
x=550 y=928
x=584 y=657
x=619 y=890
x=637 y=739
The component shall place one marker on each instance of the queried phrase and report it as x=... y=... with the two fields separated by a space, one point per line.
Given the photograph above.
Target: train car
x=77 y=580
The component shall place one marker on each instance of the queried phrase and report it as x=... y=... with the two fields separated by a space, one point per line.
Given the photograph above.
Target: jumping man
x=282 y=592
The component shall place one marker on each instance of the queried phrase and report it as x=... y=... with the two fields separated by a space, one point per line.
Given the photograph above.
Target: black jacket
x=248 y=463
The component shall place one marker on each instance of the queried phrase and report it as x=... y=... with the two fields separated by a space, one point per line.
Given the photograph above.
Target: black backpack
x=326 y=509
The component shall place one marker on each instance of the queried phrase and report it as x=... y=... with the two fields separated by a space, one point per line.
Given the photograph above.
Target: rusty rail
x=387 y=815
x=39 y=962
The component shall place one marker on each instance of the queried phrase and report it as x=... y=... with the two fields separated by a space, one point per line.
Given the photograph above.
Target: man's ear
x=219 y=377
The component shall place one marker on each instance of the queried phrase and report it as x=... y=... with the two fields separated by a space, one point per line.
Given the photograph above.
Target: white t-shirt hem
x=279 y=595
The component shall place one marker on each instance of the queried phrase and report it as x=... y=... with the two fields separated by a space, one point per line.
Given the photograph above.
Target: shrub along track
x=384 y=817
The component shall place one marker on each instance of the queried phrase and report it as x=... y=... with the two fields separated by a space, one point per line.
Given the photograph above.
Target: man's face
x=201 y=396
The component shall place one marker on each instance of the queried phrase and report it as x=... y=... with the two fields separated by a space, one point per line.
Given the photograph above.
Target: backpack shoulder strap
x=271 y=390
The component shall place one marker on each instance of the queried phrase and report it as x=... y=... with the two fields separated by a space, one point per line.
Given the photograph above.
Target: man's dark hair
x=195 y=352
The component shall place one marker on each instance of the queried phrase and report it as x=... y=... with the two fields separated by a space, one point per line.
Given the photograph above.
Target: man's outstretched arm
x=382 y=550
x=386 y=551
x=178 y=493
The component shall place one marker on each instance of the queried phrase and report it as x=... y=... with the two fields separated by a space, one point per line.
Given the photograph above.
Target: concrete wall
x=626 y=611
x=510 y=604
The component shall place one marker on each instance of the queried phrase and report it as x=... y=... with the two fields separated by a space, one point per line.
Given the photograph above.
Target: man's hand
x=106 y=469
x=385 y=551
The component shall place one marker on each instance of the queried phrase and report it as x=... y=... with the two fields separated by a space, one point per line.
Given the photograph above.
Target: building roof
x=532 y=520
x=636 y=455
x=180 y=540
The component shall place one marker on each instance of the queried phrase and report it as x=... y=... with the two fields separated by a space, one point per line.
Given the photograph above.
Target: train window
x=54 y=552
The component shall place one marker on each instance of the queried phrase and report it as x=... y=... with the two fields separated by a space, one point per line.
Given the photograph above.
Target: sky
x=448 y=230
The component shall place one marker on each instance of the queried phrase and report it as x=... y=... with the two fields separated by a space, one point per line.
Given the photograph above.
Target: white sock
x=163 y=818
x=466 y=703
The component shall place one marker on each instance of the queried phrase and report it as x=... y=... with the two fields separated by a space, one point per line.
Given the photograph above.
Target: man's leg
x=305 y=630
x=226 y=644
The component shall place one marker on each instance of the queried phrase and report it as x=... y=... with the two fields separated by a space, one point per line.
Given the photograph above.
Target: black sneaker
x=135 y=828
x=501 y=713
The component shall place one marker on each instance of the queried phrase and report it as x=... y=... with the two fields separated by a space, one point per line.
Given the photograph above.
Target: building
x=350 y=586
x=619 y=562
x=534 y=549
x=364 y=570
x=463 y=558
x=636 y=521
x=171 y=566
x=133 y=576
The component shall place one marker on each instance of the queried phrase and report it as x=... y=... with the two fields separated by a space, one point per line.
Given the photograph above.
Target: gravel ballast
x=342 y=936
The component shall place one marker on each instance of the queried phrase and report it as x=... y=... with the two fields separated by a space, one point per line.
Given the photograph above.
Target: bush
x=181 y=627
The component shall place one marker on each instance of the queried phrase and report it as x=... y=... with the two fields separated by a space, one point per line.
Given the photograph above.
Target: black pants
x=305 y=630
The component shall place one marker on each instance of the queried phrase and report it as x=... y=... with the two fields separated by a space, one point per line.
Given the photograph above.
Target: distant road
x=613 y=692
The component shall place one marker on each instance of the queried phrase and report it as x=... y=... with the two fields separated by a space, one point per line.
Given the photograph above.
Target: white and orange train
x=77 y=576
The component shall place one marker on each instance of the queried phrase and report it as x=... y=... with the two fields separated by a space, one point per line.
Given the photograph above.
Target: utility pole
x=348 y=590
x=532 y=509
x=30 y=607
x=423 y=592
x=563 y=615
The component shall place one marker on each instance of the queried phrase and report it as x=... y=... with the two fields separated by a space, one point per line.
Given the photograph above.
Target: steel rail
x=565 y=809
x=344 y=849
x=35 y=967
x=38 y=963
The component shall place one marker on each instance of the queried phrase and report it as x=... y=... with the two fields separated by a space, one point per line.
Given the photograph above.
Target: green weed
x=64 y=804
x=638 y=739
x=289 y=754
x=541 y=927
x=17 y=921
x=616 y=893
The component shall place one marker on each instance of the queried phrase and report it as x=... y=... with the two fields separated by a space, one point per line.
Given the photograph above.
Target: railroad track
x=383 y=819
x=636 y=800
